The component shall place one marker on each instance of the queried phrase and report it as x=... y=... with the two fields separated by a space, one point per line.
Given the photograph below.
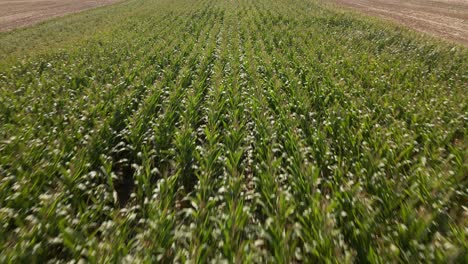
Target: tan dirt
x=443 y=18
x=19 y=13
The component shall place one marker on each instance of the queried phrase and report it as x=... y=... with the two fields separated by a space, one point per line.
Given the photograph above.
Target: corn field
x=222 y=131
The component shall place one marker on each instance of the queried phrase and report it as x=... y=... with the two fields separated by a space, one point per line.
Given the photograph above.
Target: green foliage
x=231 y=131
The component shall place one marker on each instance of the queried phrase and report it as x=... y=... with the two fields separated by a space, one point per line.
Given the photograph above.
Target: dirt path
x=18 y=13
x=444 y=18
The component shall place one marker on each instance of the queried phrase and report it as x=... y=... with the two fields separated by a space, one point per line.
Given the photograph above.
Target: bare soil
x=443 y=18
x=18 y=13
